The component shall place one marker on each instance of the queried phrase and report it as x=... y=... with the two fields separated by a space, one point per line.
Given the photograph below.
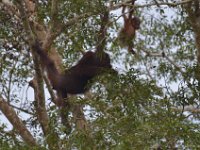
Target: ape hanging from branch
x=127 y=33
x=75 y=79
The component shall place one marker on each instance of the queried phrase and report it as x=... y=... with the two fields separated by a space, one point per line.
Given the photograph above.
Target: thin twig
x=21 y=109
x=149 y=5
x=189 y=108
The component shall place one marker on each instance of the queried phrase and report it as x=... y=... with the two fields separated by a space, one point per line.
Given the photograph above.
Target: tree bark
x=17 y=123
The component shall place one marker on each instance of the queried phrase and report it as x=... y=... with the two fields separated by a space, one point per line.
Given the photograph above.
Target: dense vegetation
x=152 y=103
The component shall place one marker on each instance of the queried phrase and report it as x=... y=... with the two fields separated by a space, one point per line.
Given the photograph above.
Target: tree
x=153 y=103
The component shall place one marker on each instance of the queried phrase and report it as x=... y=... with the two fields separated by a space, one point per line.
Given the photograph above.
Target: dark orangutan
x=127 y=33
x=75 y=79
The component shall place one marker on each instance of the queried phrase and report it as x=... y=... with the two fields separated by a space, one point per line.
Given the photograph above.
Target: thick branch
x=26 y=22
x=54 y=28
x=79 y=118
x=17 y=123
x=37 y=84
x=43 y=118
x=103 y=31
x=39 y=96
x=54 y=14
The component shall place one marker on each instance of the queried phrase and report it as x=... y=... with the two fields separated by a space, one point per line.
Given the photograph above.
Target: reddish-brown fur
x=127 y=33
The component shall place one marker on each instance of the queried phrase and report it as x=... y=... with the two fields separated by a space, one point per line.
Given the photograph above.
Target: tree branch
x=17 y=123
x=189 y=108
x=49 y=87
x=25 y=21
x=114 y=7
x=54 y=14
x=21 y=109
x=193 y=11
x=37 y=85
x=148 y=54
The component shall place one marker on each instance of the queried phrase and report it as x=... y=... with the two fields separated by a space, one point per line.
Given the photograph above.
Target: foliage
x=144 y=106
